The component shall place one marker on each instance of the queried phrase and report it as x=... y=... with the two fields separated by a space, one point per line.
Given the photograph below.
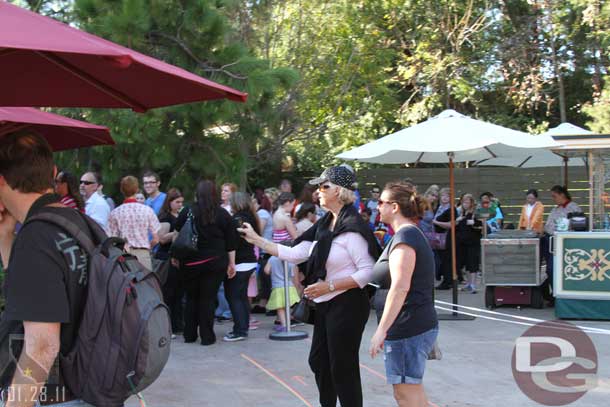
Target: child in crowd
x=275 y=267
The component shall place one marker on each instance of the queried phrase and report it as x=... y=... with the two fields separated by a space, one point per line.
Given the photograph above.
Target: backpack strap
x=75 y=231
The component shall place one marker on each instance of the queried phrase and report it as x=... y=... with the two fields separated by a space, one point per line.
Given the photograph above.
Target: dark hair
x=411 y=205
x=285 y=197
x=73 y=187
x=307 y=193
x=532 y=192
x=305 y=209
x=487 y=194
x=559 y=189
x=241 y=202
x=368 y=211
x=262 y=199
x=207 y=202
x=97 y=175
x=148 y=174
x=26 y=162
x=129 y=186
x=172 y=195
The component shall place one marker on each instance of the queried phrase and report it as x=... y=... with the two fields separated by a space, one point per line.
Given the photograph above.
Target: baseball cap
x=339 y=175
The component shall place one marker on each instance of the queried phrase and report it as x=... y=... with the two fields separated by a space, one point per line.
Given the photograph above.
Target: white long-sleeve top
x=349 y=257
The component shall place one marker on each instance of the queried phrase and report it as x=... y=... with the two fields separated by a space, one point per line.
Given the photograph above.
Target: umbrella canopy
x=449 y=137
x=61 y=132
x=450 y=131
x=545 y=158
x=46 y=63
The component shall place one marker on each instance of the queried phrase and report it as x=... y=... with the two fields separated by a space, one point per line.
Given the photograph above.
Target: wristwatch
x=331 y=286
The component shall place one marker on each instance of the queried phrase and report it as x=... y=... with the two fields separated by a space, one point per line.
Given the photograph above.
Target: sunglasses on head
x=82 y=182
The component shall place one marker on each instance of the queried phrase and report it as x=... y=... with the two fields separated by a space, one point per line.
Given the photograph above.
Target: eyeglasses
x=380 y=202
x=83 y=182
x=325 y=186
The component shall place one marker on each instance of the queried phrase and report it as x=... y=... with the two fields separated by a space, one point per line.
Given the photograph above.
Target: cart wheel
x=537 y=299
x=490 y=301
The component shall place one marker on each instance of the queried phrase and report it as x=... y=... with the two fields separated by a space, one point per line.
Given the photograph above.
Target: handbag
x=435 y=353
x=185 y=245
x=438 y=241
x=305 y=311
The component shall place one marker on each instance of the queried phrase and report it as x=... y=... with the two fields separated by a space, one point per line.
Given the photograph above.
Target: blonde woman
x=468 y=241
x=226 y=191
x=340 y=250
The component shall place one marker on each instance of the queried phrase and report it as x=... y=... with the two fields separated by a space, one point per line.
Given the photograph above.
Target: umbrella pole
x=454 y=281
x=454 y=316
x=565 y=172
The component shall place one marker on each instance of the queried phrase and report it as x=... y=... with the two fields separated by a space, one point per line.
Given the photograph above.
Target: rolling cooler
x=512 y=274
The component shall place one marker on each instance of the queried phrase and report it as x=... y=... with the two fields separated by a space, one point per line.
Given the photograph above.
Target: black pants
x=468 y=256
x=264 y=279
x=333 y=358
x=201 y=285
x=545 y=249
x=446 y=264
x=236 y=293
x=173 y=292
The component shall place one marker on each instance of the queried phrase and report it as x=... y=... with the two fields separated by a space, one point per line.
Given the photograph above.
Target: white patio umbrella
x=450 y=136
x=546 y=158
x=468 y=139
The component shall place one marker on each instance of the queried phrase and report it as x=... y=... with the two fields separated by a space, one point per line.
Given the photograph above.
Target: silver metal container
x=511 y=262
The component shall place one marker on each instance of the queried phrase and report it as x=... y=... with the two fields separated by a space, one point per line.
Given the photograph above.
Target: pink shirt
x=349 y=257
x=132 y=222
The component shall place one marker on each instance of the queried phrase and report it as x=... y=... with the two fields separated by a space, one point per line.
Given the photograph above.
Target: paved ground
x=475 y=370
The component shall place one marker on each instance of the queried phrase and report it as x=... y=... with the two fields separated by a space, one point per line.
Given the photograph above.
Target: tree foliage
x=324 y=76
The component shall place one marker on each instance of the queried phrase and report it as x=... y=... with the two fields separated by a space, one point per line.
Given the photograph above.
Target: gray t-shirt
x=266 y=216
x=277 y=272
x=418 y=314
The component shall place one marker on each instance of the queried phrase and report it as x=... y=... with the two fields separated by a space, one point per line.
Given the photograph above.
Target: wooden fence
x=507 y=184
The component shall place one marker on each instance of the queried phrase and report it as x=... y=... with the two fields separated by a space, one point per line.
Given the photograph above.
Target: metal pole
x=287 y=296
x=289 y=335
x=591 y=187
x=453 y=251
x=565 y=172
x=454 y=316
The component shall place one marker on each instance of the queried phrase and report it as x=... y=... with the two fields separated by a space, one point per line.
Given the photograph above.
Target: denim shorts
x=405 y=359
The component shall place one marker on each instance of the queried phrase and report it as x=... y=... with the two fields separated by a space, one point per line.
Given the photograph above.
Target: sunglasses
x=87 y=182
x=380 y=202
x=325 y=186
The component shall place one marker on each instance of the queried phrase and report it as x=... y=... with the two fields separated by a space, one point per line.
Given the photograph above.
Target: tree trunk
x=555 y=62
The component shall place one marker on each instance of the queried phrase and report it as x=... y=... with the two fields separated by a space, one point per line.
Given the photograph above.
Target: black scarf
x=349 y=220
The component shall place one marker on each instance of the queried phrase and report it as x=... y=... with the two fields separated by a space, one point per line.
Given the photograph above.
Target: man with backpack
x=54 y=267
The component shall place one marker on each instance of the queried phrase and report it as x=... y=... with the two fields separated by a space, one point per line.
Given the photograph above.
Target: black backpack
x=124 y=336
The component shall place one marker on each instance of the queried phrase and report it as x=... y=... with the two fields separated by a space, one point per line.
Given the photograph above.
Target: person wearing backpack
x=206 y=268
x=39 y=304
x=84 y=323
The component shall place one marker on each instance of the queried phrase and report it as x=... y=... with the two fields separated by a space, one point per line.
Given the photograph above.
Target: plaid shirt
x=132 y=222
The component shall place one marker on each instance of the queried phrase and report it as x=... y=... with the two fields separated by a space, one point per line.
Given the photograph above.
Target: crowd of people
x=334 y=243
x=255 y=285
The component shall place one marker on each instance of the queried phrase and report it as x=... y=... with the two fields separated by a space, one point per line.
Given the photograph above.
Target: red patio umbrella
x=61 y=132
x=47 y=63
